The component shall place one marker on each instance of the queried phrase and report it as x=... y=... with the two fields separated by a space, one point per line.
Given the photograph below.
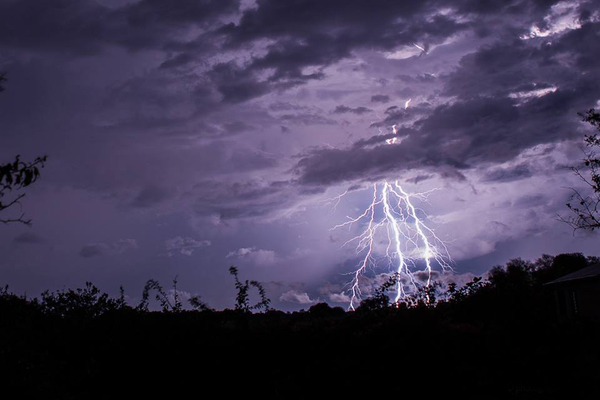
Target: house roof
x=592 y=271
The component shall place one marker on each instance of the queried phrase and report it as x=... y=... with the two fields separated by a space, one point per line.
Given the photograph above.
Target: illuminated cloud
x=255 y=256
x=184 y=245
x=293 y=296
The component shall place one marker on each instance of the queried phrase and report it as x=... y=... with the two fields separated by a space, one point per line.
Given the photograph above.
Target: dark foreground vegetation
x=497 y=337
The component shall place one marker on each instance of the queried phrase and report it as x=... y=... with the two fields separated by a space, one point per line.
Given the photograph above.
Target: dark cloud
x=494 y=70
x=491 y=122
x=530 y=201
x=28 y=238
x=505 y=68
x=421 y=78
x=459 y=135
x=102 y=249
x=396 y=115
x=179 y=60
x=63 y=25
x=307 y=119
x=151 y=13
x=146 y=166
x=581 y=44
x=288 y=56
x=235 y=200
x=520 y=171
x=94 y=250
x=237 y=84
x=152 y=24
x=339 y=27
x=286 y=106
x=296 y=53
x=235 y=127
x=336 y=29
x=376 y=140
x=147 y=102
x=330 y=166
x=341 y=109
x=381 y=25
x=122 y=141
x=84 y=27
x=380 y=98
x=333 y=94
x=419 y=178
x=151 y=195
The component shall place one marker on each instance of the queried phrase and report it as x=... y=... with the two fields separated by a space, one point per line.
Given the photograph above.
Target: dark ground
x=497 y=338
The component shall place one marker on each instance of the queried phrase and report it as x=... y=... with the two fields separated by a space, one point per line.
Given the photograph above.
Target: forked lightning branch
x=396 y=237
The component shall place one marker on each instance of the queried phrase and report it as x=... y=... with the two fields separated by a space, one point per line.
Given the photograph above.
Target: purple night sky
x=184 y=137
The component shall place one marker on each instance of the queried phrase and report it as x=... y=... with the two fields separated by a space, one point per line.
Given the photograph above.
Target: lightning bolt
x=393 y=216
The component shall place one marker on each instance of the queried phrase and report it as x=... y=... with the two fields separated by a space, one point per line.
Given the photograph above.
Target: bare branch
x=586 y=207
x=20 y=219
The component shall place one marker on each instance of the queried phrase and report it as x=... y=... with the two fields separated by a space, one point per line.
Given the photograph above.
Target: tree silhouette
x=380 y=299
x=15 y=176
x=456 y=294
x=423 y=296
x=586 y=207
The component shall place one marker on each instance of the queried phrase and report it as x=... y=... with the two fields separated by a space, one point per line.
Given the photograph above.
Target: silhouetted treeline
x=493 y=337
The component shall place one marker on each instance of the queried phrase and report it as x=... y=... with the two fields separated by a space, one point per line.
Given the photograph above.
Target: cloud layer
x=216 y=130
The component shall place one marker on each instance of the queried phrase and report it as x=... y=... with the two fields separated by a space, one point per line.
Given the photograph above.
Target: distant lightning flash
x=424 y=49
x=395 y=130
x=393 y=216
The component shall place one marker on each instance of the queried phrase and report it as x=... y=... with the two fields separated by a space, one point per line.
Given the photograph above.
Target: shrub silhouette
x=198 y=304
x=82 y=303
x=242 y=301
x=167 y=304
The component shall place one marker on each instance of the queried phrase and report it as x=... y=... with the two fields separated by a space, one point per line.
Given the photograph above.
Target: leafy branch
x=14 y=176
x=167 y=304
x=17 y=175
x=242 y=298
